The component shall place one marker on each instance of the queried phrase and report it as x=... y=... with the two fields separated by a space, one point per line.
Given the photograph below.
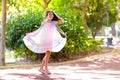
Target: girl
x=46 y=39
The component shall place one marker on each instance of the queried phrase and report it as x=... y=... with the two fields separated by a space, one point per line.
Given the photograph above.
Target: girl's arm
x=60 y=19
x=61 y=31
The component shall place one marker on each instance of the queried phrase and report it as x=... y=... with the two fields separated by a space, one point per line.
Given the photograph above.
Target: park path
x=100 y=67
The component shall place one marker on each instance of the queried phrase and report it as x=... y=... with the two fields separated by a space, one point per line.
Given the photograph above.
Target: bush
x=77 y=39
x=18 y=26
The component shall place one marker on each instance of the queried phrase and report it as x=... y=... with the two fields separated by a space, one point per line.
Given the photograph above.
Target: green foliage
x=94 y=45
x=98 y=12
x=77 y=34
x=20 y=24
x=21 y=5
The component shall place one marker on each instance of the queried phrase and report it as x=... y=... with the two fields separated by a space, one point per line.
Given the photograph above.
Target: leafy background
x=26 y=15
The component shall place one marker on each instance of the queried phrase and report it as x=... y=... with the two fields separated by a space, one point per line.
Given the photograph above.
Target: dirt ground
x=96 y=67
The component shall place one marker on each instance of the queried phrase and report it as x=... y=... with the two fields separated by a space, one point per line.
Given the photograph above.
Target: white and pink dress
x=45 y=38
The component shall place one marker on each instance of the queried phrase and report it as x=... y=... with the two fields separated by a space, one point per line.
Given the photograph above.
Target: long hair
x=55 y=18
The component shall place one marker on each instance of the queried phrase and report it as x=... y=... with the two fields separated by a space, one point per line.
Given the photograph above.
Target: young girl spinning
x=46 y=39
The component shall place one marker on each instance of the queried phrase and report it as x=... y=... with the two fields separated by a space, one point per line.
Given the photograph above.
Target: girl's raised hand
x=65 y=35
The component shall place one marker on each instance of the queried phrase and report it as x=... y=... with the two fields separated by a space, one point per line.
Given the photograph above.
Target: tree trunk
x=103 y=31
x=2 y=45
x=84 y=12
x=46 y=3
x=93 y=34
x=113 y=30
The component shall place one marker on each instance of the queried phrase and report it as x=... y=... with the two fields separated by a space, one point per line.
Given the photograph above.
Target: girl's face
x=50 y=16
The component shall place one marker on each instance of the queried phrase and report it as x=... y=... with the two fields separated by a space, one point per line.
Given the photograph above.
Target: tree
x=97 y=12
x=23 y=5
x=2 y=46
x=84 y=7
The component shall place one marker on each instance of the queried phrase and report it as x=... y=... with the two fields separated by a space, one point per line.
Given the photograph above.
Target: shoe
x=42 y=71
x=47 y=72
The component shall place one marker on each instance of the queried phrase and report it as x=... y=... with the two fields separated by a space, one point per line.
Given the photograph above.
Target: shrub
x=18 y=26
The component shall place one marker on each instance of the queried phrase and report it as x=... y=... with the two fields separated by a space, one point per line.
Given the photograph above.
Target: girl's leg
x=43 y=63
x=47 y=56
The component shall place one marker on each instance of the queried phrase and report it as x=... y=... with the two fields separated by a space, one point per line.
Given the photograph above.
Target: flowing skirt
x=43 y=39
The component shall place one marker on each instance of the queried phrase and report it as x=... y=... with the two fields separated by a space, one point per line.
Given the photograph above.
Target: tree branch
x=48 y=1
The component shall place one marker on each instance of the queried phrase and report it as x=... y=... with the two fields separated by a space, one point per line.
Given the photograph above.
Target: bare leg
x=45 y=62
x=47 y=56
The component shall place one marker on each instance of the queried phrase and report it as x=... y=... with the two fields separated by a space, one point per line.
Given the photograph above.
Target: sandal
x=42 y=71
x=47 y=72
